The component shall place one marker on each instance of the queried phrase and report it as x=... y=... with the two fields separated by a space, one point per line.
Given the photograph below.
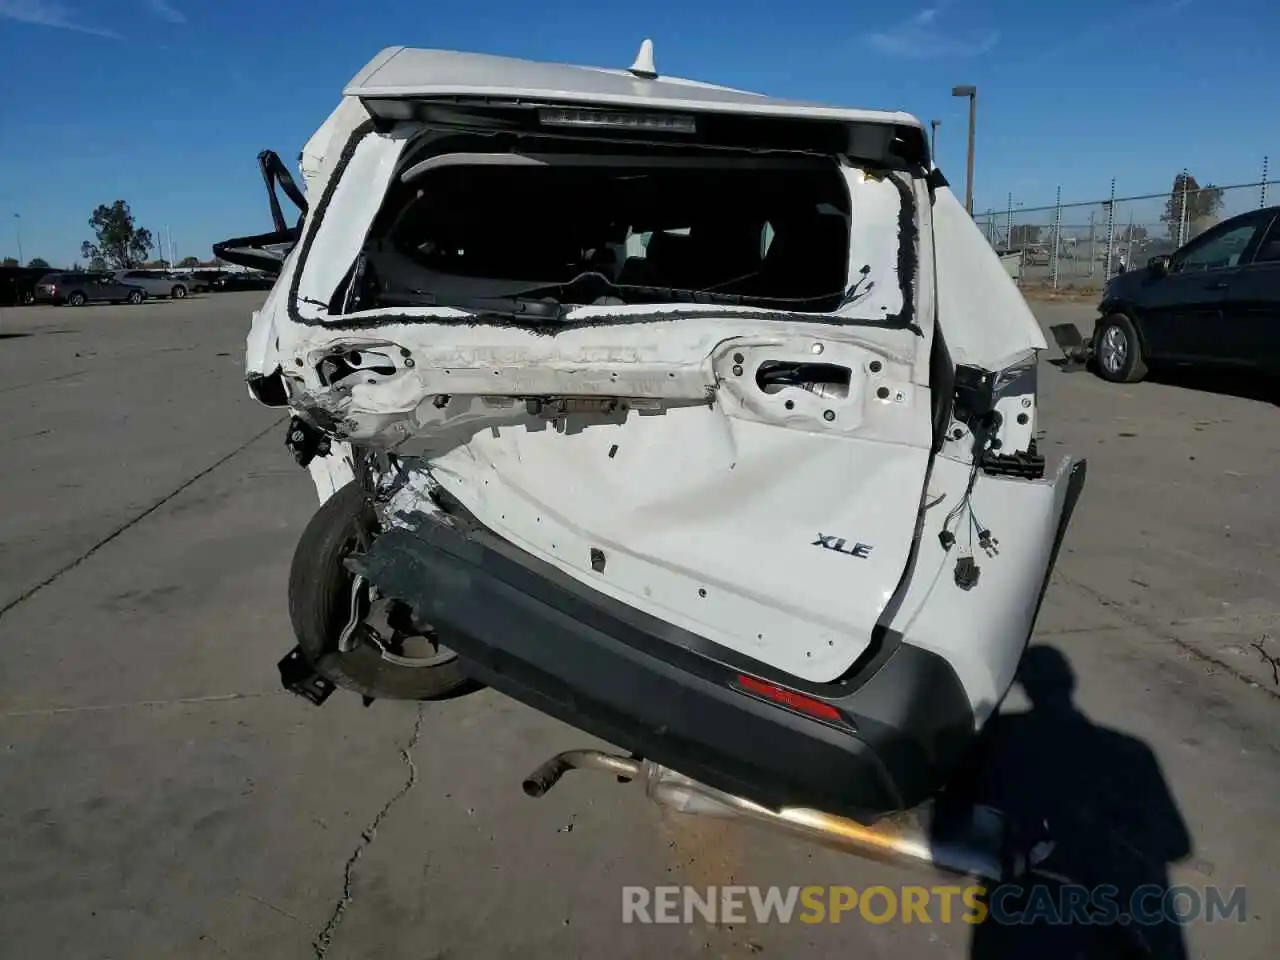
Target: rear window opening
x=529 y=232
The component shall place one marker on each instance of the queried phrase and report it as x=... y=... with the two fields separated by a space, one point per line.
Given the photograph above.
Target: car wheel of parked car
x=1117 y=350
x=135 y=296
x=28 y=298
x=179 y=292
x=77 y=299
x=323 y=602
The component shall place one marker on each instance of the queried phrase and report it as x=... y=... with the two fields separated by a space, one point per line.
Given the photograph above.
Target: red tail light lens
x=797 y=702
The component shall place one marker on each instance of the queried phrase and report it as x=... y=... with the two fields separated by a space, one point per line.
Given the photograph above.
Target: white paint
x=983 y=316
x=708 y=519
x=983 y=631
x=332 y=472
x=405 y=73
x=708 y=505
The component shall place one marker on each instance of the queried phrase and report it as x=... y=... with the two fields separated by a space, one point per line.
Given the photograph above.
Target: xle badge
x=839 y=545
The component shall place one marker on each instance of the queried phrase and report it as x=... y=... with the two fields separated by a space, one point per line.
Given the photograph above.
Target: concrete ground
x=160 y=797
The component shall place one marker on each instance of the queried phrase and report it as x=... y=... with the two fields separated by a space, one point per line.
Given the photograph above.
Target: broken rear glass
x=516 y=231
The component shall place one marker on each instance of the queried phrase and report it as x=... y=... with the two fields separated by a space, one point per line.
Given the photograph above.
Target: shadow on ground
x=1232 y=383
x=1245 y=384
x=1103 y=800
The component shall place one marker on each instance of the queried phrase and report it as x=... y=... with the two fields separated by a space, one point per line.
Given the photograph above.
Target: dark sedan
x=1214 y=301
x=255 y=280
x=77 y=289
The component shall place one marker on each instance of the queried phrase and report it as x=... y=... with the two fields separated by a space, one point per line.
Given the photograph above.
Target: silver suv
x=156 y=283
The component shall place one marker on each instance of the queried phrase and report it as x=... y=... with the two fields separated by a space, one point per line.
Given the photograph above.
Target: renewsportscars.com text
x=1006 y=904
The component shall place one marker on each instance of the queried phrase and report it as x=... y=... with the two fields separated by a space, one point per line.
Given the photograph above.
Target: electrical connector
x=988 y=543
x=967 y=572
x=947 y=539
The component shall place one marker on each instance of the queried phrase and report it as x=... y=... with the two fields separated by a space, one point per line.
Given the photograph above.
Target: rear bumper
x=543 y=638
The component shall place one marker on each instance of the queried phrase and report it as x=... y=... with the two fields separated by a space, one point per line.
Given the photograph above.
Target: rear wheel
x=1117 y=350
x=135 y=296
x=385 y=655
x=77 y=299
x=179 y=292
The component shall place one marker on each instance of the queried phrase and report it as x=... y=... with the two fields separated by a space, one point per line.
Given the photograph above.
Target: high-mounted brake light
x=618 y=120
x=790 y=698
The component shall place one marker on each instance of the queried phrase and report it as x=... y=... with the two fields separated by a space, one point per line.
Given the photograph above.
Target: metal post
x=1111 y=227
x=1093 y=250
x=17 y=232
x=1008 y=227
x=1057 y=233
x=972 y=93
x=169 y=234
x=1182 y=213
x=1262 y=200
x=933 y=140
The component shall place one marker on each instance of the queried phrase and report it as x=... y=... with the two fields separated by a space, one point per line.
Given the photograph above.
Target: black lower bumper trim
x=530 y=631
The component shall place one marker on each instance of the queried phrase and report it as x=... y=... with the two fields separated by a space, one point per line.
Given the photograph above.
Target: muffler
x=975 y=842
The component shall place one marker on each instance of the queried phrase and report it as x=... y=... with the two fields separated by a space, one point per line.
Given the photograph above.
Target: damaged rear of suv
x=702 y=421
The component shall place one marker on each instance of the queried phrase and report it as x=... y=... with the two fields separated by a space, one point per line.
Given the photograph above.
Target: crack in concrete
x=128 y=524
x=324 y=939
x=1162 y=632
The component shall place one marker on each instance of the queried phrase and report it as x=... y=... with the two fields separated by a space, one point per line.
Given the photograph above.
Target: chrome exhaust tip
x=976 y=842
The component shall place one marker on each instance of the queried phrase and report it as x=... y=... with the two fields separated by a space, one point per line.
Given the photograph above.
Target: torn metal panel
x=983 y=315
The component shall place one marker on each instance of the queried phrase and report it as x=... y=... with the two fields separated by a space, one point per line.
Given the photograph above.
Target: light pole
x=972 y=93
x=17 y=232
x=933 y=139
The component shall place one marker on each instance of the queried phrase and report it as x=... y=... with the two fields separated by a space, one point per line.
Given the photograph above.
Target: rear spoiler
x=267 y=251
x=263 y=251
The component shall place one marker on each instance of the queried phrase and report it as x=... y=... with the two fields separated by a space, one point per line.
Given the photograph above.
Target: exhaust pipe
x=977 y=842
x=548 y=775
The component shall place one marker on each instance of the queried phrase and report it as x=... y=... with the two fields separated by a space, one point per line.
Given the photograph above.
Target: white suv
x=689 y=416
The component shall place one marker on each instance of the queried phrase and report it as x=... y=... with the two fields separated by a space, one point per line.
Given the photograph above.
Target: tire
x=1117 y=350
x=77 y=299
x=135 y=297
x=320 y=603
x=28 y=299
x=179 y=292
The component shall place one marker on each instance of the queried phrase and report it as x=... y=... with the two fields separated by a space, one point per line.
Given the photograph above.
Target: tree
x=189 y=262
x=1202 y=206
x=121 y=244
x=38 y=263
x=97 y=264
x=8 y=262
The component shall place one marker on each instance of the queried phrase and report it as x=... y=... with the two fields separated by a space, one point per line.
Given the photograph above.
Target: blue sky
x=165 y=103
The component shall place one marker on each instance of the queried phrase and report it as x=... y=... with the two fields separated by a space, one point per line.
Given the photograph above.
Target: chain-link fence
x=1081 y=245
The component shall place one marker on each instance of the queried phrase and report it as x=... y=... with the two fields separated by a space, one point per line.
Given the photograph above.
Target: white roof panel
x=405 y=73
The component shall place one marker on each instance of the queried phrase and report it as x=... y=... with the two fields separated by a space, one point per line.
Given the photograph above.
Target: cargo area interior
x=572 y=222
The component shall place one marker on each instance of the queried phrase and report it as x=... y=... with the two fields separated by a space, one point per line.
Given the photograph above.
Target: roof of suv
x=403 y=72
